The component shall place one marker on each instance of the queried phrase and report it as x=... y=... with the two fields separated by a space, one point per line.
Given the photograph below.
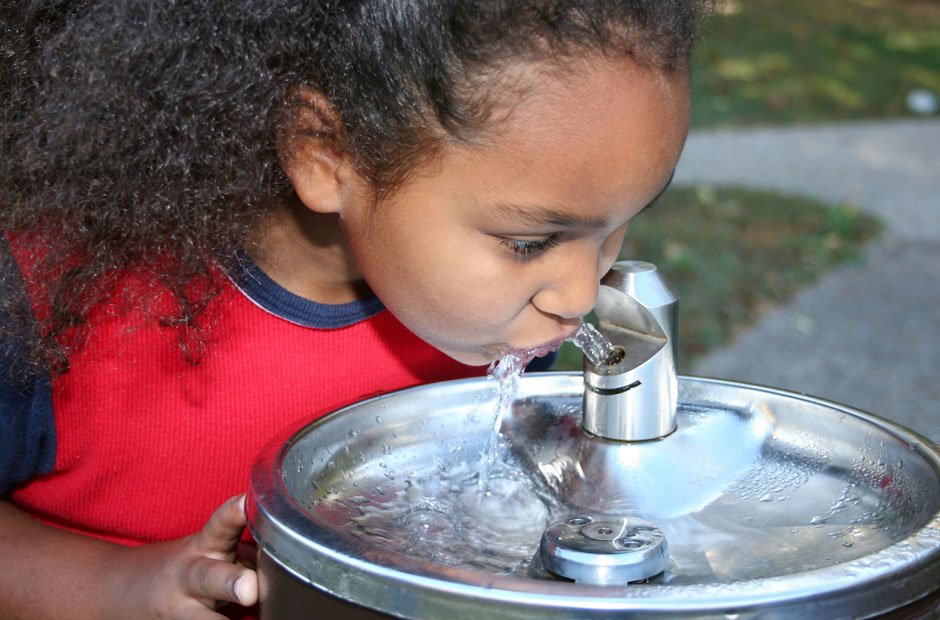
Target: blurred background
x=802 y=230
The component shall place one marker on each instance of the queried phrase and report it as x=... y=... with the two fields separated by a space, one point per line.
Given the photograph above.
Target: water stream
x=506 y=371
x=488 y=511
x=595 y=345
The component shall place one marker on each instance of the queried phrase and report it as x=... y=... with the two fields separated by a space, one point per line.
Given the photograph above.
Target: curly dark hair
x=136 y=129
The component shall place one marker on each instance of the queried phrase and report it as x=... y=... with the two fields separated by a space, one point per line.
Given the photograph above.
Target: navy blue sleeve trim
x=27 y=432
x=27 y=424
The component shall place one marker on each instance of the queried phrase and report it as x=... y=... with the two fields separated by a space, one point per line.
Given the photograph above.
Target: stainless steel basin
x=774 y=505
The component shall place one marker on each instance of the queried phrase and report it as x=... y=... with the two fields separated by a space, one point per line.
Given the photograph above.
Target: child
x=226 y=218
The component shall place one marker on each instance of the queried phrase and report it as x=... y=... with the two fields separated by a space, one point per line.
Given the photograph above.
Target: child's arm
x=51 y=573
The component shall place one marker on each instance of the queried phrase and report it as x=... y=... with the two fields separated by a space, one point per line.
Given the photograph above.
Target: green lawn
x=781 y=61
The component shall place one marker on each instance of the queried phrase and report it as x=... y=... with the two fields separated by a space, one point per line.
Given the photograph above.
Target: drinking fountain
x=623 y=491
x=632 y=395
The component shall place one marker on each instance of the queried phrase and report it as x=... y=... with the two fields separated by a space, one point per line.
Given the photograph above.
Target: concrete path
x=867 y=334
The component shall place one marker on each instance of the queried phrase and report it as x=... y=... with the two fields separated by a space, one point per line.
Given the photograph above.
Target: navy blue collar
x=275 y=299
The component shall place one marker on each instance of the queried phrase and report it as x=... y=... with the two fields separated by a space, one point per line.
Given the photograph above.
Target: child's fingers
x=221 y=581
x=220 y=535
x=215 y=576
x=247 y=555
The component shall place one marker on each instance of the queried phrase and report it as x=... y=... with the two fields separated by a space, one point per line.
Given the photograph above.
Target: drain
x=604 y=549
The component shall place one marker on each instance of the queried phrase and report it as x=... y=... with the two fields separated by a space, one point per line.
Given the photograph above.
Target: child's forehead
x=557 y=93
x=606 y=99
x=585 y=150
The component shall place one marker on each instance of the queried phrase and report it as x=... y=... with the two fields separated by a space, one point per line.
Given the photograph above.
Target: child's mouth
x=527 y=352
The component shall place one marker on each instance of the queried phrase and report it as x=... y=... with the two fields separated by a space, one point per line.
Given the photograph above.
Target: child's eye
x=525 y=248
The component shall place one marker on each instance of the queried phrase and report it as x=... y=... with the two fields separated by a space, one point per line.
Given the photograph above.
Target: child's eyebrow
x=541 y=215
x=652 y=202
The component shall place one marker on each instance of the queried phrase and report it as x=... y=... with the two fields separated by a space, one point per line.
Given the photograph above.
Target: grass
x=784 y=61
x=732 y=253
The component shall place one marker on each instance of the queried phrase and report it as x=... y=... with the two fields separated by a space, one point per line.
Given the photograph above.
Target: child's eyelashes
x=529 y=248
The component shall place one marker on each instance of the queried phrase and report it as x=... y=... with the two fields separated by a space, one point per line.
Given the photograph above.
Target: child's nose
x=570 y=292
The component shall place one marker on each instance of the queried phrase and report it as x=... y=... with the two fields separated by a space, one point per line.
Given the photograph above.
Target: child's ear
x=310 y=144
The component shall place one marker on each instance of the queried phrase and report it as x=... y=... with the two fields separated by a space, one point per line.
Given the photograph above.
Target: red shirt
x=147 y=445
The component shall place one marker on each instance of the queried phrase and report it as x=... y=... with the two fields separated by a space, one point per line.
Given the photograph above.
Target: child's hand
x=60 y=574
x=189 y=577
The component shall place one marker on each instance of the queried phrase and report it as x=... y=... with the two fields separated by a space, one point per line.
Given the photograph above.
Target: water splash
x=595 y=345
x=505 y=371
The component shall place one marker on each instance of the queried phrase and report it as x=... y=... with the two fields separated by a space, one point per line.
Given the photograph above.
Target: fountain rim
x=292 y=535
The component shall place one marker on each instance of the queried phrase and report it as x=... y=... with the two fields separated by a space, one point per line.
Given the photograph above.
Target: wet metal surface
x=773 y=505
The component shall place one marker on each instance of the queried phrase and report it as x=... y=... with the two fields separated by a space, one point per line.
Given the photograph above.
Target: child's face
x=502 y=246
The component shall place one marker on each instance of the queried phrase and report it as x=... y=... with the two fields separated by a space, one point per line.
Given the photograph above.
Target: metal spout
x=634 y=396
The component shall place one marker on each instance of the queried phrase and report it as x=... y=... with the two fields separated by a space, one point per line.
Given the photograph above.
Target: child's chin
x=471 y=358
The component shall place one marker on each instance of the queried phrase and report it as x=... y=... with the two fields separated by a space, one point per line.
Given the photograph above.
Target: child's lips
x=525 y=352
x=545 y=348
x=552 y=345
x=534 y=351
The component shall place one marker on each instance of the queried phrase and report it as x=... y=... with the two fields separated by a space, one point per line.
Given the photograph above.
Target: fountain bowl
x=774 y=505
